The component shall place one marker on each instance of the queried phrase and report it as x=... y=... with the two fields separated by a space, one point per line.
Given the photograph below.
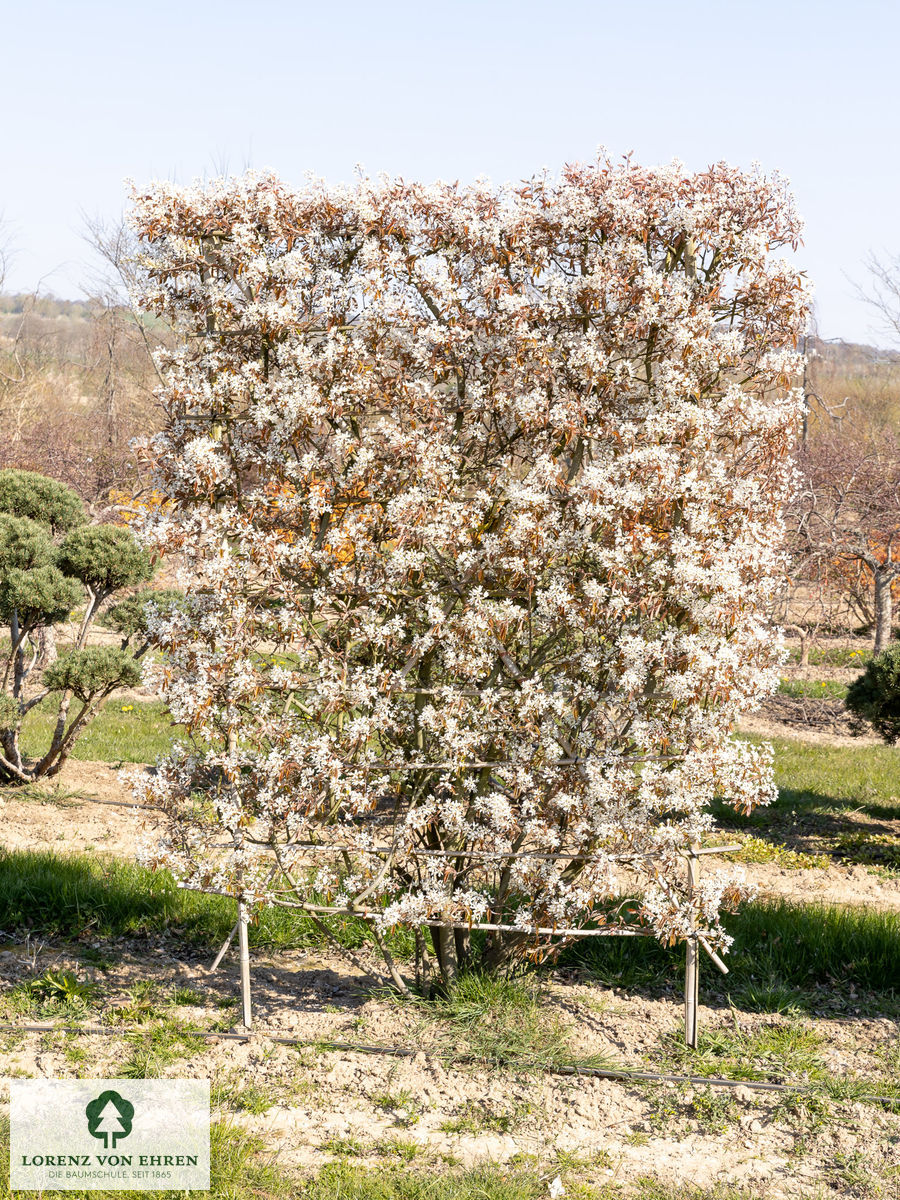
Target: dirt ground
x=320 y=1103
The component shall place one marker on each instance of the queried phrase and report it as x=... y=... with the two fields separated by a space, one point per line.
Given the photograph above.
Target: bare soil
x=324 y=1103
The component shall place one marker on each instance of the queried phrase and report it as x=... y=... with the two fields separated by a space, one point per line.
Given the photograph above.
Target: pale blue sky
x=99 y=90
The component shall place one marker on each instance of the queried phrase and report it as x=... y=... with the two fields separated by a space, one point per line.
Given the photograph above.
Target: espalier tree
x=52 y=562
x=478 y=493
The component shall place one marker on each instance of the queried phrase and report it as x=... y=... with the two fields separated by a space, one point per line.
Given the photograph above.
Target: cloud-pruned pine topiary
x=93 y=671
x=874 y=696
x=47 y=501
x=105 y=558
x=52 y=563
x=24 y=544
x=43 y=596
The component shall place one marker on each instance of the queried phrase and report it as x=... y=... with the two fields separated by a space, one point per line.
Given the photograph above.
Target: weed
x=157 y=1049
x=39 y=793
x=666 y=1108
x=251 y=1098
x=343 y=1146
x=100 y=960
x=869 y=848
x=74 y=1052
x=394 y=1147
x=782 y=1050
x=402 y=1101
x=61 y=986
x=810 y=1110
x=853 y=1172
x=189 y=997
x=714 y=1112
x=757 y=850
x=479 y=1117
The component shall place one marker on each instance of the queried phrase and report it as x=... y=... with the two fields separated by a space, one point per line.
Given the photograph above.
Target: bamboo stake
x=224 y=949
x=421 y=852
x=692 y=961
x=244 y=943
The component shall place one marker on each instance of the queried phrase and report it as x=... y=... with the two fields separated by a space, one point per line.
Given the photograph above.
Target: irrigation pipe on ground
x=461 y=1059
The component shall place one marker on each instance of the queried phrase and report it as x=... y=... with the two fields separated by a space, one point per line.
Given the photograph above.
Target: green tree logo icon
x=109 y=1117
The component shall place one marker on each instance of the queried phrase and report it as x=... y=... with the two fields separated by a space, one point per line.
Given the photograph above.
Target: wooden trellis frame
x=697 y=940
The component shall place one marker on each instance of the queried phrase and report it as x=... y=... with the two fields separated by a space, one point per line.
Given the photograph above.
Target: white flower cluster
x=478 y=498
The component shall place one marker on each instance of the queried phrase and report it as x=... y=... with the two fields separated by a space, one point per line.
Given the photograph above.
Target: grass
x=78 y=896
x=843 y=801
x=238 y=1171
x=818 y=689
x=155 y=1049
x=777 y=1051
x=778 y=947
x=241 y=1170
x=499 y=1020
x=832 y=656
x=123 y=731
x=864 y=778
x=481 y=1117
x=784 y=955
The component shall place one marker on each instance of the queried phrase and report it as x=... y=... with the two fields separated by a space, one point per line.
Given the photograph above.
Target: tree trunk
x=463 y=942
x=45 y=638
x=804 y=643
x=500 y=949
x=883 y=610
x=445 y=946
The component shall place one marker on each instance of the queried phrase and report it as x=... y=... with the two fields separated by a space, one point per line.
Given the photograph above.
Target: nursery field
x=506 y=1089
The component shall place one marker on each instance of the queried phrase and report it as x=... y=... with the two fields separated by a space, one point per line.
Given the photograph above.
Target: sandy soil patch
x=85 y=808
x=322 y=1103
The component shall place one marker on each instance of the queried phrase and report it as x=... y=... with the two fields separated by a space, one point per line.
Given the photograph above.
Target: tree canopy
x=479 y=495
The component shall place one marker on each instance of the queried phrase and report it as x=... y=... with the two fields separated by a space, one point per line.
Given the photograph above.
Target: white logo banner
x=123 y=1134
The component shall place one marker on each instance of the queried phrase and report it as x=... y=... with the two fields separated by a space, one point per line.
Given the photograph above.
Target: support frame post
x=692 y=960
x=244 y=947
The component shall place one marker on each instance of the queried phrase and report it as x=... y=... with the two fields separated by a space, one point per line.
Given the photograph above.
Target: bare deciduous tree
x=847 y=521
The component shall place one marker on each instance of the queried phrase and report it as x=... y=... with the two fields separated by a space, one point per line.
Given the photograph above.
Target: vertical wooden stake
x=692 y=961
x=244 y=946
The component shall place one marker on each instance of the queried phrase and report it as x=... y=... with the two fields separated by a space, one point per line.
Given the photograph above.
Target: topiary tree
x=52 y=561
x=133 y=616
x=874 y=696
x=479 y=497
